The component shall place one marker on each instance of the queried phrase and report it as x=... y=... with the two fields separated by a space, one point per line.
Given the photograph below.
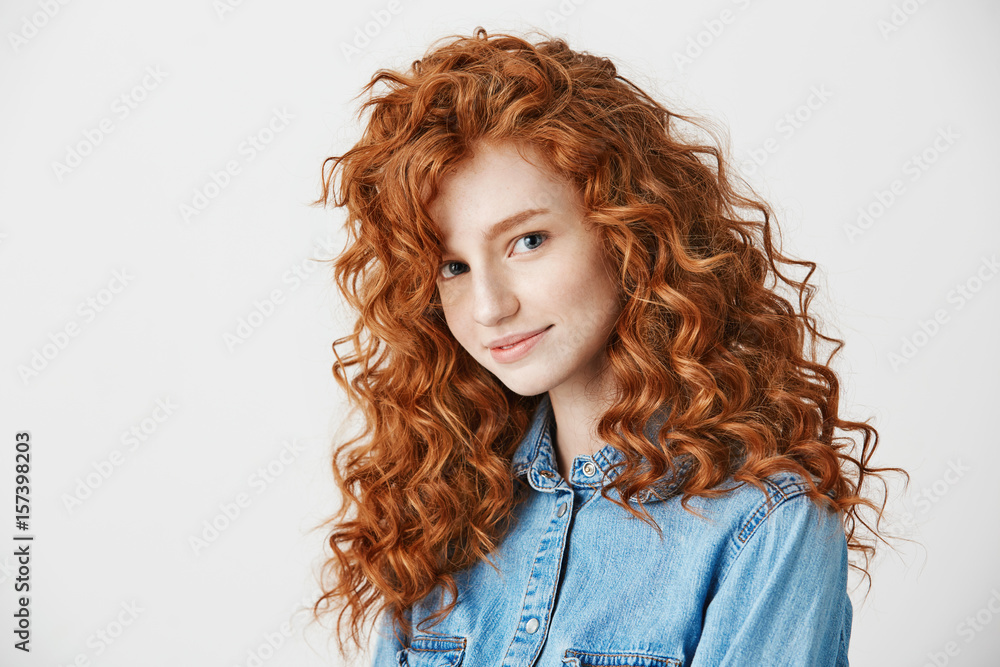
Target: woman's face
x=518 y=261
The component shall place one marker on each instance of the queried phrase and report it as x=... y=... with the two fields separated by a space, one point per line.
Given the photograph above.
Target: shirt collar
x=535 y=459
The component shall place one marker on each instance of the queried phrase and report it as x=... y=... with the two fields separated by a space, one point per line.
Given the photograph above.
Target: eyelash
x=543 y=236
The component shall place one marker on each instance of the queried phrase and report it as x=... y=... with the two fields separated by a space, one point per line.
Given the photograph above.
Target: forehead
x=494 y=183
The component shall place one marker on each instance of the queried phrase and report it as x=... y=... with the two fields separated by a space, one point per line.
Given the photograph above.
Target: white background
x=894 y=77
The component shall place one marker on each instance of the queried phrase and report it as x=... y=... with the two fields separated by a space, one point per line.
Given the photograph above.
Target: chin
x=524 y=386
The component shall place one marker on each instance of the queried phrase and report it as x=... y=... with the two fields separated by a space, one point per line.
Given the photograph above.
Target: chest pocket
x=574 y=658
x=433 y=652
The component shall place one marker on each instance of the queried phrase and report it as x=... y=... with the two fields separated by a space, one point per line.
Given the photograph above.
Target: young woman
x=593 y=433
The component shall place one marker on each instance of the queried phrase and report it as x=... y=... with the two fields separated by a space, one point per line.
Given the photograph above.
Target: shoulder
x=780 y=510
x=777 y=521
x=777 y=585
x=784 y=498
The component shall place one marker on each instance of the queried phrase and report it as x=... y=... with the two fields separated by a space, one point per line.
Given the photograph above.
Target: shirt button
x=532 y=626
x=561 y=510
x=545 y=473
x=589 y=469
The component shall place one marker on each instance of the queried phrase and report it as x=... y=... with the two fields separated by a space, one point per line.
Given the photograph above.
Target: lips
x=516 y=350
x=511 y=339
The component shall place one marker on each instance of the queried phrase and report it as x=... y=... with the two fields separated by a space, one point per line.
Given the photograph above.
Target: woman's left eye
x=534 y=235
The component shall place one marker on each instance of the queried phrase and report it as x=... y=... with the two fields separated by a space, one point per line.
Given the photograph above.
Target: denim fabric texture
x=584 y=584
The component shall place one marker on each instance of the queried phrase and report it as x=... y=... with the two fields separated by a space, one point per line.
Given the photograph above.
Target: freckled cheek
x=565 y=287
x=588 y=298
x=458 y=316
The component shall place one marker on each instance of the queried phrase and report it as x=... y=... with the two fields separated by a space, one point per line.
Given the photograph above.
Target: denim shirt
x=584 y=584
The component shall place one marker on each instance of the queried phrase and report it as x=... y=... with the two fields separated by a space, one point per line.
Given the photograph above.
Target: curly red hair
x=427 y=486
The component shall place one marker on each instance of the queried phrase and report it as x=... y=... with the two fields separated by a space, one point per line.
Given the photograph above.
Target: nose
x=494 y=297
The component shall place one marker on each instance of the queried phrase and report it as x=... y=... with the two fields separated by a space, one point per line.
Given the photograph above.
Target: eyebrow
x=511 y=222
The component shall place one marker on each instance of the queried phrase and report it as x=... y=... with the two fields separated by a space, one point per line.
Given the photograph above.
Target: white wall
x=184 y=285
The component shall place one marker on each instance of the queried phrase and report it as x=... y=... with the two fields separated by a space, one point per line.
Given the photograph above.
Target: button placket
x=543 y=582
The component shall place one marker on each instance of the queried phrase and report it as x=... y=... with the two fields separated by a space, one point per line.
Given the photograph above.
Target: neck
x=576 y=413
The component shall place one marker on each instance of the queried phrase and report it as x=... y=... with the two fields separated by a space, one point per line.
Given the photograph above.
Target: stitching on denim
x=458 y=644
x=760 y=511
x=786 y=488
x=669 y=661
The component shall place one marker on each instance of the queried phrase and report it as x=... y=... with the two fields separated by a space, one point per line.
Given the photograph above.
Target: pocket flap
x=427 y=651
x=628 y=659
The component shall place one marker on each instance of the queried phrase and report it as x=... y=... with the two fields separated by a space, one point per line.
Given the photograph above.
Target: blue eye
x=539 y=235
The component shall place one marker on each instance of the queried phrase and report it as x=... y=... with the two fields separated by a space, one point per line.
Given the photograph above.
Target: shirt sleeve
x=783 y=599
